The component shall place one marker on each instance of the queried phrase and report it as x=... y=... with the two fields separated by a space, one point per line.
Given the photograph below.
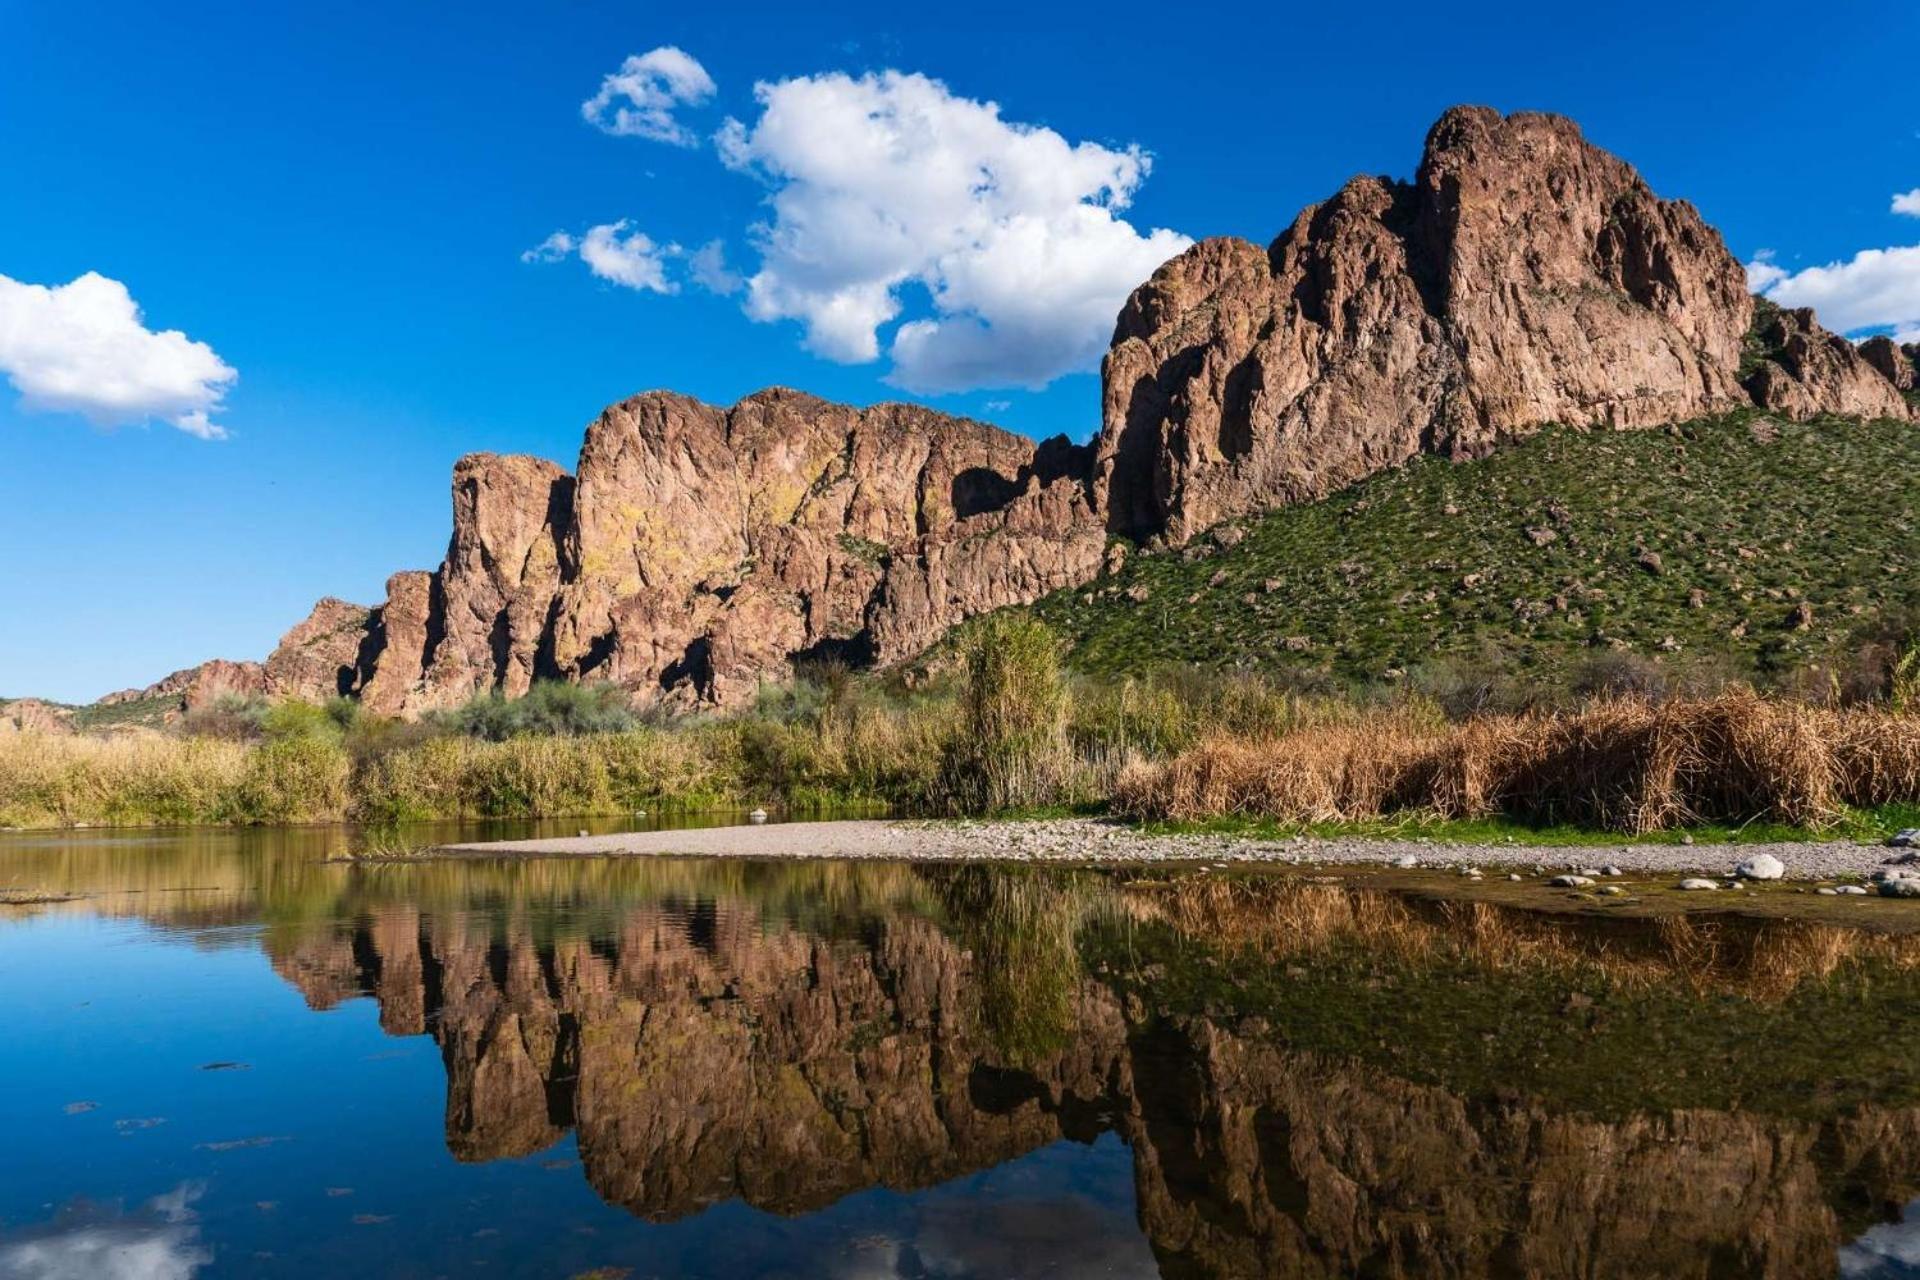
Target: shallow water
x=229 y=1057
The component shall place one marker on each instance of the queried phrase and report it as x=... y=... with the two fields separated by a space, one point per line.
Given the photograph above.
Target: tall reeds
x=1619 y=764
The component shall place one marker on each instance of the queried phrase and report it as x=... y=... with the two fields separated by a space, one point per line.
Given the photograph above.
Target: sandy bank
x=1084 y=840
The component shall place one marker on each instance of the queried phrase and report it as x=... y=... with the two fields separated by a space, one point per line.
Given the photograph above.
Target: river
x=226 y=1055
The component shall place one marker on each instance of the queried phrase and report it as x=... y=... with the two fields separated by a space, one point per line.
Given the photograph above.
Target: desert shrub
x=550 y=708
x=1009 y=749
x=232 y=717
x=292 y=718
x=1470 y=687
x=1619 y=674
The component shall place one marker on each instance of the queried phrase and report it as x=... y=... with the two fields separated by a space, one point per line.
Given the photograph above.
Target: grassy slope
x=1755 y=513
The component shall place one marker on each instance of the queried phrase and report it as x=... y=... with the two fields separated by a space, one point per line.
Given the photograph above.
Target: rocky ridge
x=1522 y=277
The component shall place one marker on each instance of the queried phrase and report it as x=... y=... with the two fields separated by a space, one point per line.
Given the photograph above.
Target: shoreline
x=1097 y=842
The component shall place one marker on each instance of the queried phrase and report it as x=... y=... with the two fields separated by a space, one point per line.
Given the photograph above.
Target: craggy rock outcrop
x=500 y=576
x=400 y=636
x=700 y=550
x=1897 y=364
x=198 y=686
x=320 y=657
x=1523 y=277
x=31 y=715
x=1809 y=371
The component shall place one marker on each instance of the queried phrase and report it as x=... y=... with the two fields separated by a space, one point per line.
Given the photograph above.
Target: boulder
x=1761 y=866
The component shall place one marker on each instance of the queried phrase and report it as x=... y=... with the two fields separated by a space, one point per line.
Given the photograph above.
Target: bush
x=550 y=708
x=230 y=717
x=1010 y=750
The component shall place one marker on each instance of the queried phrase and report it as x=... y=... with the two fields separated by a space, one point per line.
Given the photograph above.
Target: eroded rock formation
x=32 y=715
x=1808 y=371
x=1896 y=363
x=1523 y=276
x=699 y=550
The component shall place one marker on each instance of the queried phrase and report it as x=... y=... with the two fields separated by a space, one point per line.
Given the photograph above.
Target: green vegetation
x=1677 y=558
x=1011 y=748
x=552 y=709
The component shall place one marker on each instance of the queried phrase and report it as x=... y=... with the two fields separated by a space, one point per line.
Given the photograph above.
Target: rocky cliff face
x=1522 y=277
x=698 y=550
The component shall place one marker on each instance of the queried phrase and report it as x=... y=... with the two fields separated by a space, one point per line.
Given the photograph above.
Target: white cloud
x=554 y=248
x=1876 y=288
x=160 y=1242
x=615 y=254
x=633 y=260
x=1908 y=203
x=889 y=180
x=1762 y=273
x=638 y=100
x=708 y=265
x=81 y=348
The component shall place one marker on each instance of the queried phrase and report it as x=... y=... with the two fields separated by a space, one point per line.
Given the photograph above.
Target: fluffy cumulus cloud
x=890 y=180
x=1908 y=203
x=614 y=252
x=82 y=348
x=639 y=100
x=1875 y=289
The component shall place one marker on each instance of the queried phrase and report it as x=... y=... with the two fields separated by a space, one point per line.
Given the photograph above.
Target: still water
x=227 y=1056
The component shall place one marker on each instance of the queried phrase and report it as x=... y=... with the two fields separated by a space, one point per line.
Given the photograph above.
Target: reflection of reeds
x=1022 y=926
x=1277 y=920
x=1626 y=765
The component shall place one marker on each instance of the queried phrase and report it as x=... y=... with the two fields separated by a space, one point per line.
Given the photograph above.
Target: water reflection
x=1273 y=1077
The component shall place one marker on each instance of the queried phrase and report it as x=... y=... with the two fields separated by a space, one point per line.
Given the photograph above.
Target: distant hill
x=1749 y=542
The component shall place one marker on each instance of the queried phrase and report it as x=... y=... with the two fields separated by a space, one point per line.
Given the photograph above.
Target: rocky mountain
x=1522 y=277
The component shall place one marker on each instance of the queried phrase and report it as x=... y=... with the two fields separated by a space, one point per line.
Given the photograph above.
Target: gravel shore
x=1087 y=841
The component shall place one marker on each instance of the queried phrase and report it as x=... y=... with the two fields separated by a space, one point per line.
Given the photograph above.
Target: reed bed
x=1016 y=736
x=1624 y=765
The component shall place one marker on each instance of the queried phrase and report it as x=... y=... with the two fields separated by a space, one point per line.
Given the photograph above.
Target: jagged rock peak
x=697 y=550
x=1523 y=276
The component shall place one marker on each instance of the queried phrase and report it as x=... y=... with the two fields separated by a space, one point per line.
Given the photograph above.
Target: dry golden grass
x=48 y=780
x=1625 y=765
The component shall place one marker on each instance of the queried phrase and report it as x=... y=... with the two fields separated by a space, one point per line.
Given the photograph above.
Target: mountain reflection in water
x=1073 y=1073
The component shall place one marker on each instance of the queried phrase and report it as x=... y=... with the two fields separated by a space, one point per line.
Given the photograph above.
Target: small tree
x=1011 y=746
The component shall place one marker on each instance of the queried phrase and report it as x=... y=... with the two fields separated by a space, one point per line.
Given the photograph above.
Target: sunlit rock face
x=704 y=1051
x=699 y=550
x=1523 y=277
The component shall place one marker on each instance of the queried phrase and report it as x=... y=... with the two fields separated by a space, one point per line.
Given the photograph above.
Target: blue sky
x=342 y=204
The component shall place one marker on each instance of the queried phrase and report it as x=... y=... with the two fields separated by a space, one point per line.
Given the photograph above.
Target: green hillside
x=1742 y=546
